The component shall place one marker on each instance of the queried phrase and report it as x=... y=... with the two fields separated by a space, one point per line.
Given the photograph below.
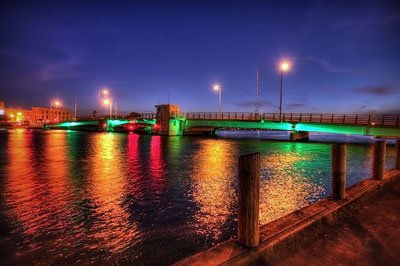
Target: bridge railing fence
x=223 y=115
x=358 y=119
x=148 y=115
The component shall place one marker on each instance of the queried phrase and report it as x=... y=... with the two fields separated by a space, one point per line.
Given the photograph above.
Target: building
x=166 y=120
x=18 y=115
x=43 y=115
x=2 y=108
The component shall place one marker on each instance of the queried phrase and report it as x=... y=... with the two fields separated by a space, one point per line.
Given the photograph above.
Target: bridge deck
x=355 y=119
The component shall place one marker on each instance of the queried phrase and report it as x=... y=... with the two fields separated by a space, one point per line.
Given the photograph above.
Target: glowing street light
x=218 y=88
x=103 y=92
x=284 y=68
x=56 y=103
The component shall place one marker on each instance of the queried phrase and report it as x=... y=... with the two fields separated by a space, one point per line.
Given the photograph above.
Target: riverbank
x=350 y=235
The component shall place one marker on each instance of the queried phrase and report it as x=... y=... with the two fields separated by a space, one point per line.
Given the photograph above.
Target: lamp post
x=284 y=67
x=56 y=103
x=219 y=89
x=102 y=92
x=108 y=102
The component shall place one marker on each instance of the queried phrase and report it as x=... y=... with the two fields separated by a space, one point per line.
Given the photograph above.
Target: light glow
x=217 y=87
x=285 y=66
x=107 y=101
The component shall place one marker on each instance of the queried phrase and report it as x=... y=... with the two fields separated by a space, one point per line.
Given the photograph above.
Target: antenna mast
x=257 y=91
x=76 y=107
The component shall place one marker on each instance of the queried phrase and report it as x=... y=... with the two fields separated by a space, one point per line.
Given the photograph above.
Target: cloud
x=331 y=68
x=253 y=104
x=61 y=70
x=298 y=102
x=375 y=90
x=21 y=56
x=394 y=109
x=294 y=105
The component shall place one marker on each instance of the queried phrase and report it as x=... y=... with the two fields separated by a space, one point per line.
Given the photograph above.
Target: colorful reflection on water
x=75 y=197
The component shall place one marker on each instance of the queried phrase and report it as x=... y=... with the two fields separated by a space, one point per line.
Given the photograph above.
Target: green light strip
x=314 y=127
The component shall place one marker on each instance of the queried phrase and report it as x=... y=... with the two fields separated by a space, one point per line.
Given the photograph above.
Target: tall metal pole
x=280 y=103
x=98 y=106
x=116 y=110
x=257 y=91
x=110 y=110
x=76 y=106
x=220 y=99
x=51 y=111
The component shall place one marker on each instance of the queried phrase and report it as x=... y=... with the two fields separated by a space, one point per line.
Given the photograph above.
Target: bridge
x=144 y=124
x=169 y=121
x=298 y=123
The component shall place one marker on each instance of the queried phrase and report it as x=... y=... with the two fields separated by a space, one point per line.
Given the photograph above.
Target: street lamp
x=218 y=88
x=103 y=92
x=108 y=102
x=284 y=68
x=56 y=103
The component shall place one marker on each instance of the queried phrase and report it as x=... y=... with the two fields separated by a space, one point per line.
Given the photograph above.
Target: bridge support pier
x=299 y=136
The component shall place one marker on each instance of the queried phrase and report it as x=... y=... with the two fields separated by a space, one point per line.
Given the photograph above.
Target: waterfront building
x=18 y=115
x=49 y=115
x=1 y=108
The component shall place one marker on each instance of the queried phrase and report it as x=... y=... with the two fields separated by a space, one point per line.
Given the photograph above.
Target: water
x=108 y=198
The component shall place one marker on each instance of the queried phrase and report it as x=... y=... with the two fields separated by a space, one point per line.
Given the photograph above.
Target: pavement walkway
x=370 y=236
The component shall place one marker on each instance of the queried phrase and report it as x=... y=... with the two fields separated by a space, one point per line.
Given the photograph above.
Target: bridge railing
x=223 y=116
x=357 y=119
x=148 y=115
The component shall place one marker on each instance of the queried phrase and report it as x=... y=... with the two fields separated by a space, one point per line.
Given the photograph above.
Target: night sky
x=345 y=55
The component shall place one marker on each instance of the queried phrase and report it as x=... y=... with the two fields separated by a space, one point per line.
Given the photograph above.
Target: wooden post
x=339 y=171
x=378 y=159
x=397 y=158
x=249 y=199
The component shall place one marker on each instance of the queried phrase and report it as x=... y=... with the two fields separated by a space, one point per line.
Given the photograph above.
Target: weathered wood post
x=378 y=159
x=339 y=171
x=397 y=158
x=249 y=199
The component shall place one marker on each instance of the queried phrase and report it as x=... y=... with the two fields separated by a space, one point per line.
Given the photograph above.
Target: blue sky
x=344 y=54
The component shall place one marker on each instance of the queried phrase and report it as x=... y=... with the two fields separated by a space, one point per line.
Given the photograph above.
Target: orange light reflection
x=114 y=229
x=213 y=190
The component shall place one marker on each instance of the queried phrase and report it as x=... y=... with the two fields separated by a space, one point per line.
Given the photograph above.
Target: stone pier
x=299 y=136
